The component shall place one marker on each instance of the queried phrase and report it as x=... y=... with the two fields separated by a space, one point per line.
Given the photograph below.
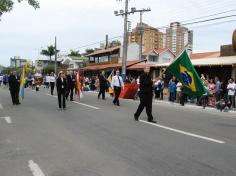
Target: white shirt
x=1 y=78
x=116 y=82
x=47 y=79
x=231 y=86
x=179 y=85
x=52 y=79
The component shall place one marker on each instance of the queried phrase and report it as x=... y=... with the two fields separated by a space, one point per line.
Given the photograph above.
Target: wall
x=166 y=57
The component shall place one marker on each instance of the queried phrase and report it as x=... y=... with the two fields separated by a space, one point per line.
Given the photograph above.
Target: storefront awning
x=217 y=61
x=110 y=66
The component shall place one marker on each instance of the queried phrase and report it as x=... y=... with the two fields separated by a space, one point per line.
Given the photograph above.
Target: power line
x=209 y=15
x=201 y=21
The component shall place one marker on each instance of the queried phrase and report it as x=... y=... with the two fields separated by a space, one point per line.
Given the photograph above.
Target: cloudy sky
x=24 y=31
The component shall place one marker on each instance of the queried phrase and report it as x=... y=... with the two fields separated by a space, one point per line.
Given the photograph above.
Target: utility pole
x=125 y=37
x=55 y=69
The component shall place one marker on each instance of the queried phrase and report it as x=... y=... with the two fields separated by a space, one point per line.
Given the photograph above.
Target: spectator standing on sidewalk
x=231 y=92
x=172 y=89
x=212 y=91
x=162 y=89
x=204 y=98
x=218 y=89
x=178 y=91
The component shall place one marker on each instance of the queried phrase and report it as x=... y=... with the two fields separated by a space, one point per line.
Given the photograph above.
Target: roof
x=107 y=66
x=108 y=50
x=215 y=61
x=157 y=51
x=139 y=66
x=205 y=55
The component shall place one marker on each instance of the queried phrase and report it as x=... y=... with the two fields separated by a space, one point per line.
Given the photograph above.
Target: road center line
x=7 y=119
x=35 y=169
x=1 y=107
x=93 y=107
x=184 y=132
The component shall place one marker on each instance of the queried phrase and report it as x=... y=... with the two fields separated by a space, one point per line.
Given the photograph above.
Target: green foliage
x=89 y=51
x=7 y=5
x=50 y=51
x=8 y=70
x=74 y=53
x=114 y=43
x=48 y=69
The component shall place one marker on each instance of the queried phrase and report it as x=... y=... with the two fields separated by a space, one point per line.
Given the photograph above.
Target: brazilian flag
x=185 y=72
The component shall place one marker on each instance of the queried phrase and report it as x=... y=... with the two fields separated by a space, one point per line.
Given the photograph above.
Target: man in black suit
x=146 y=95
x=14 y=87
x=61 y=89
x=70 y=85
x=102 y=85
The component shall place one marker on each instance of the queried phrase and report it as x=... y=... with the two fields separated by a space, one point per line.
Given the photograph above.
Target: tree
x=114 y=43
x=74 y=53
x=89 y=51
x=7 y=5
x=50 y=51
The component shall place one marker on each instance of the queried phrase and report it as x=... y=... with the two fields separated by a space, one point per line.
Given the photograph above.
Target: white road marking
x=35 y=169
x=7 y=119
x=93 y=107
x=1 y=107
x=184 y=132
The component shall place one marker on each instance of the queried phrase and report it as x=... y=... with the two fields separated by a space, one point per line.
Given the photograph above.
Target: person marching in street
x=14 y=87
x=102 y=85
x=52 y=82
x=70 y=85
x=117 y=84
x=61 y=89
x=146 y=95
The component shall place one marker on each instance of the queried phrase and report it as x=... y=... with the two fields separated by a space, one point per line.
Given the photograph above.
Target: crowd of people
x=219 y=94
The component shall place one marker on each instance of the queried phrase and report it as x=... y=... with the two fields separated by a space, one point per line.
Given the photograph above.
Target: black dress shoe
x=152 y=121
x=135 y=118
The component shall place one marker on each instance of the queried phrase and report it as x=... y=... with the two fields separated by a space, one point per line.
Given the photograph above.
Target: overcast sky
x=24 y=31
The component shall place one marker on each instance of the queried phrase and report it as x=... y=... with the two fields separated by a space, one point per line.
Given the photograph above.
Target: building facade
x=152 y=37
x=16 y=61
x=179 y=38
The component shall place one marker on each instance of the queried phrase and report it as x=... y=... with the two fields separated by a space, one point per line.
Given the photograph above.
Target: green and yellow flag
x=185 y=72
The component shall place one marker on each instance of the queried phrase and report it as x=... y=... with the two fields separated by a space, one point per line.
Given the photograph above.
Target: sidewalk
x=188 y=104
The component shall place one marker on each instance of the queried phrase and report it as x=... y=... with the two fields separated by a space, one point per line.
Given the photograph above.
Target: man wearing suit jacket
x=61 y=89
x=102 y=85
x=70 y=85
x=146 y=95
x=117 y=84
x=14 y=87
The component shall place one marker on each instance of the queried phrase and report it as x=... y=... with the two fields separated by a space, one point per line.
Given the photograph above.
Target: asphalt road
x=96 y=138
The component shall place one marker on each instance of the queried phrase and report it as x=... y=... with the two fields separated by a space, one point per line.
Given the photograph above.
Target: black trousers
x=52 y=85
x=15 y=96
x=102 y=91
x=117 y=91
x=62 y=95
x=145 y=102
x=70 y=91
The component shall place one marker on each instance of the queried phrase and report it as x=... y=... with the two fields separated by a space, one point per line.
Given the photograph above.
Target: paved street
x=96 y=138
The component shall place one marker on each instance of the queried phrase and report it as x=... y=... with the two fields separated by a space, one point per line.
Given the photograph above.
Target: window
x=91 y=60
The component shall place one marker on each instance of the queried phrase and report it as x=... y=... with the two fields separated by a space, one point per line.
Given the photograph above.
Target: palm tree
x=50 y=51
